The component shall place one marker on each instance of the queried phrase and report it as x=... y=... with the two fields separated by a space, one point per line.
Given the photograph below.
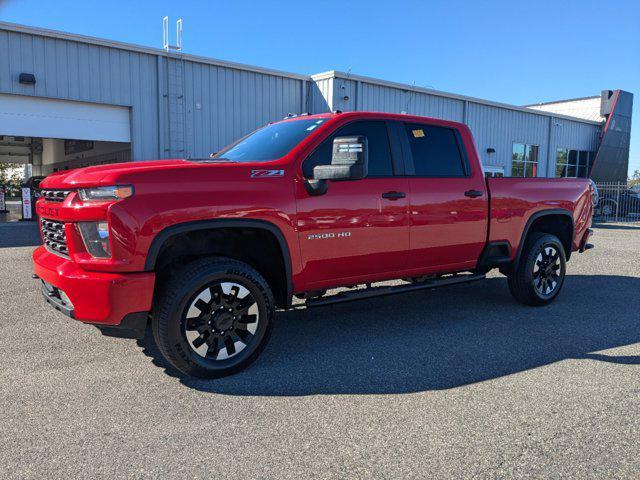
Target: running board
x=371 y=292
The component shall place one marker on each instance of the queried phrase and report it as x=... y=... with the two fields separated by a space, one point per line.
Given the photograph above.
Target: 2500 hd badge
x=322 y=236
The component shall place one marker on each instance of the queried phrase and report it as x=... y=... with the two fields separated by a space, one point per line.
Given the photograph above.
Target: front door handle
x=473 y=193
x=394 y=195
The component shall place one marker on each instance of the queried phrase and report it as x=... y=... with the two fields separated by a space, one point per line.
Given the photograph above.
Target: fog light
x=96 y=238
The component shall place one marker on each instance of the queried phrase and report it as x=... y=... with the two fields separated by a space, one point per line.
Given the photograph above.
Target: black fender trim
x=494 y=255
x=164 y=235
x=133 y=325
x=536 y=216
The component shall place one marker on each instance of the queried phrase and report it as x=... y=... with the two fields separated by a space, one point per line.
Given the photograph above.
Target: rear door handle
x=394 y=195
x=473 y=193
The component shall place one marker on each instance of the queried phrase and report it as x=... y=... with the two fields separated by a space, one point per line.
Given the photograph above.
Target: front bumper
x=92 y=297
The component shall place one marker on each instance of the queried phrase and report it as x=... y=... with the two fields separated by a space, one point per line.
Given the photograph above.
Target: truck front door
x=358 y=230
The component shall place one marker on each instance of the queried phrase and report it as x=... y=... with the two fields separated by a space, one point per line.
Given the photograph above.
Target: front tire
x=539 y=276
x=213 y=317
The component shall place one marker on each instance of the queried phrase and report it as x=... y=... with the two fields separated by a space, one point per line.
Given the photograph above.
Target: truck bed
x=513 y=201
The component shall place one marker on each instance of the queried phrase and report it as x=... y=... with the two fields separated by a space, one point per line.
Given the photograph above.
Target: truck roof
x=403 y=117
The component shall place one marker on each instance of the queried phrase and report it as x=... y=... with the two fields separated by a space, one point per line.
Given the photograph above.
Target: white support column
x=549 y=148
x=304 y=108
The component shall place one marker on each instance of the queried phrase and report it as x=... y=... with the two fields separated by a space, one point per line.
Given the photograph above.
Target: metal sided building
x=68 y=101
x=568 y=138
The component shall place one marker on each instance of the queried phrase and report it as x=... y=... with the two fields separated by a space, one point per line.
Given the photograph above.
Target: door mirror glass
x=349 y=160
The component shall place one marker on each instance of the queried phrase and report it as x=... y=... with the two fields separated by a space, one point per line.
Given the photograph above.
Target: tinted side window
x=379 y=150
x=435 y=151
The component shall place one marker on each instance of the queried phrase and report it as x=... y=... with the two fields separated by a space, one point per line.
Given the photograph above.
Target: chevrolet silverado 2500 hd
x=208 y=249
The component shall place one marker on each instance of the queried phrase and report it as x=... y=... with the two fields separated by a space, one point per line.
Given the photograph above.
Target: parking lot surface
x=459 y=382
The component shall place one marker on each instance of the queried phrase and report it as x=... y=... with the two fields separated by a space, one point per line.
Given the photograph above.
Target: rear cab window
x=436 y=151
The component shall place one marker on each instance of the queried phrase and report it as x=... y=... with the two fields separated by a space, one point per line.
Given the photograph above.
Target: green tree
x=634 y=179
x=10 y=179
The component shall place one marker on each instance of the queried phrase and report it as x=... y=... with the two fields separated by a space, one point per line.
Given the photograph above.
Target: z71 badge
x=266 y=173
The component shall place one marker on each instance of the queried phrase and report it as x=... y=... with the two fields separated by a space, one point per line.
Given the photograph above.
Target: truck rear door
x=448 y=197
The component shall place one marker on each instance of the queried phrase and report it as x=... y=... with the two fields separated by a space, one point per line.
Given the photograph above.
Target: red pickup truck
x=208 y=249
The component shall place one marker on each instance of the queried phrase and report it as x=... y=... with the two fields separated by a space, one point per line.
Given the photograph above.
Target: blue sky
x=517 y=52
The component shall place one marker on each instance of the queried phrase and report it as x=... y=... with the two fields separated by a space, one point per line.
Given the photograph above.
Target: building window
x=562 y=160
x=524 y=161
x=493 y=171
x=583 y=164
x=573 y=163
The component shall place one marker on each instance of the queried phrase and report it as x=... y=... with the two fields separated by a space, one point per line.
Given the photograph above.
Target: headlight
x=102 y=194
x=96 y=238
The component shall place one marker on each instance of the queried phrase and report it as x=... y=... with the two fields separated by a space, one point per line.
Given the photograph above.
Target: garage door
x=24 y=116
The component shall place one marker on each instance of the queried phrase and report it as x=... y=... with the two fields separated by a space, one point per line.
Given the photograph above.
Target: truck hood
x=109 y=174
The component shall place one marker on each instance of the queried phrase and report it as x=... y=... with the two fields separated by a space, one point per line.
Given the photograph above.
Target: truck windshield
x=269 y=143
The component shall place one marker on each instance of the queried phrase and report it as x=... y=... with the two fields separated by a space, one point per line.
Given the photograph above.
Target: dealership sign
x=26 y=203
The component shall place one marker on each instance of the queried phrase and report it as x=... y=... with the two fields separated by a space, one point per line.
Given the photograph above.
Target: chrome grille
x=54 y=236
x=54 y=195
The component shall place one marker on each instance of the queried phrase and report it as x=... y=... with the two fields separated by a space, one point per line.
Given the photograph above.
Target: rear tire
x=539 y=276
x=213 y=317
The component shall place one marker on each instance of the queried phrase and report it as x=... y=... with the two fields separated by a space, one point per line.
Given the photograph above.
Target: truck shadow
x=617 y=226
x=434 y=340
x=19 y=234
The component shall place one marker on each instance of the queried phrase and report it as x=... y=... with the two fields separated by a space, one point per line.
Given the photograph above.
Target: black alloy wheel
x=539 y=275
x=547 y=270
x=221 y=320
x=213 y=317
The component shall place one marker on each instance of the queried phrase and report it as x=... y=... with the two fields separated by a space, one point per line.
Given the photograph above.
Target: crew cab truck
x=208 y=249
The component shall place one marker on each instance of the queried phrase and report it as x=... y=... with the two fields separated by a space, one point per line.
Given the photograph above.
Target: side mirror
x=349 y=160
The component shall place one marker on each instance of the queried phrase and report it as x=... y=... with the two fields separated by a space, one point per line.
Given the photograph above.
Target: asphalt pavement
x=459 y=382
